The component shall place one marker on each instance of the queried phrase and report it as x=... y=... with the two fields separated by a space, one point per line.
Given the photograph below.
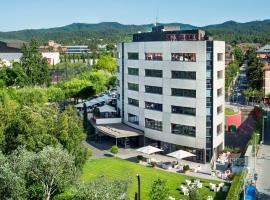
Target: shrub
x=159 y=190
x=89 y=152
x=186 y=168
x=139 y=157
x=232 y=149
x=153 y=163
x=194 y=193
x=114 y=149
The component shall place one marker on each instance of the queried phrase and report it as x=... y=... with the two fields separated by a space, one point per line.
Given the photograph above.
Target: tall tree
x=34 y=65
x=107 y=63
x=53 y=169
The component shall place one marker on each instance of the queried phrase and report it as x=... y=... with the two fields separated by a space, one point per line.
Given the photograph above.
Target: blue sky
x=24 y=14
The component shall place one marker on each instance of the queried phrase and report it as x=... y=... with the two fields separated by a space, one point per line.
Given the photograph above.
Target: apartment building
x=171 y=86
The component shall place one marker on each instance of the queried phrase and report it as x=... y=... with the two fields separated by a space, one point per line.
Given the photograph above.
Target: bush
x=114 y=149
x=186 y=168
x=194 y=193
x=159 y=190
x=236 y=187
x=139 y=157
x=232 y=149
x=153 y=163
x=89 y=152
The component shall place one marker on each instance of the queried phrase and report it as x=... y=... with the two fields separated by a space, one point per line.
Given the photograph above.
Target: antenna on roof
x=156 y=20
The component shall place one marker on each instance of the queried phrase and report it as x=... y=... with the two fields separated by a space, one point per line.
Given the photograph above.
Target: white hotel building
x=171 y=86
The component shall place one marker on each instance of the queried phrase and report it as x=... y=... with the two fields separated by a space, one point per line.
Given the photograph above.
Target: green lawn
x=229 y=111
x=117 y=168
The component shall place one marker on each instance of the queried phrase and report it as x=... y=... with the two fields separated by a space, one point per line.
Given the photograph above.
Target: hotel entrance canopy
x=118 y=130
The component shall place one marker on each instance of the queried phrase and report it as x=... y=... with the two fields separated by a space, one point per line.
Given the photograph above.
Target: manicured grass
x=229 y=111
x=117 y=168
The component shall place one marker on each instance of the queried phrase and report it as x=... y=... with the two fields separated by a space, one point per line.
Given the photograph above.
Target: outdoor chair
x=188 y=182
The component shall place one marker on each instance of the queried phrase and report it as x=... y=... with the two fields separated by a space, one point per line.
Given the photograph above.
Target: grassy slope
x=229 y=111
x=117 y=168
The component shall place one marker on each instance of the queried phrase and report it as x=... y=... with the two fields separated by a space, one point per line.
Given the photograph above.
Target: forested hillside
x=81 y=33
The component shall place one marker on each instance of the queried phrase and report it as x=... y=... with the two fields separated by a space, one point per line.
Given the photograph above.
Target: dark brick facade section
x=169 y=33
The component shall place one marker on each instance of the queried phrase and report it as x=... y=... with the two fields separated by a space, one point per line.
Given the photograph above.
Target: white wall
x=52 y=57
x=199 y=121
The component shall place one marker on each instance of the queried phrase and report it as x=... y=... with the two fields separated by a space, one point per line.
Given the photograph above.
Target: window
x=183 y=93
x=219 y=128
x=220 y=56
x=133 y=102
x=118 y=69
x=153 y=89
x=133 y=55
x=208 y=121
x=133 y=71
x=219 y=109
x=153 y=73
x=219 y=92
x=209 y=56
x=184 y=57
x=117 y=82
x=153 y=56
x=134 y=119
x=208 y=132
x=208 y=142
x=220 y=74
x=133 y=86
x=183 y=130
x=183 y=110
x=209 y=102
x=118 y=97
x=209 y=93
x=153 y=124
x=184 y=75
x=153 y=106
x=209 y=84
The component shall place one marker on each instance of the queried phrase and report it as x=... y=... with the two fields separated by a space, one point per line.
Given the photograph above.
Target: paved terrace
x=103 y=150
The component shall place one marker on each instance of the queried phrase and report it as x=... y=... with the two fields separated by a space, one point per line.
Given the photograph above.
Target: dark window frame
x=153 y=89
x=179 y=129
x=177 y=92
x=155 y=73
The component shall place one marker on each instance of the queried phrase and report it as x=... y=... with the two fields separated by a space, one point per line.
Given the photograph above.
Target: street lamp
x=139 y=187
x=263 y=128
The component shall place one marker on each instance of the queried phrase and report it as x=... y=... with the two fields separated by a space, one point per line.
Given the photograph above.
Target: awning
x=118 y=130
x=107 y=109
x=149 y=150
x=180 y=154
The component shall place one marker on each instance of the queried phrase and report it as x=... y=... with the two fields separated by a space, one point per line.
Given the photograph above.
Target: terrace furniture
x=217 y=189
x=185 y=191
x=188 y=182
x=221 y=185
x=209 y=198
x=199 y=185
x=212 y=186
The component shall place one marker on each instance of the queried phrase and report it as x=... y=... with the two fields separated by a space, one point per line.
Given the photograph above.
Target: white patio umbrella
x=149 y=150
x=180 y=154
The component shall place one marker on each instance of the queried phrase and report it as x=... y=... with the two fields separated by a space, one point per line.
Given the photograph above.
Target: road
x=263 y=165
x=237 y=96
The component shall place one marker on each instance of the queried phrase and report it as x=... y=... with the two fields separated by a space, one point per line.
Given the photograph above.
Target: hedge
x=236 y=187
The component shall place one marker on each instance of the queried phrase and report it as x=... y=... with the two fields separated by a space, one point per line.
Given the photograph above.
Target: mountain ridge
x=115 y=31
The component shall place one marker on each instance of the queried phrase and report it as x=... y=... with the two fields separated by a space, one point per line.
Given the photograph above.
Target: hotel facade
x=171 y=87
